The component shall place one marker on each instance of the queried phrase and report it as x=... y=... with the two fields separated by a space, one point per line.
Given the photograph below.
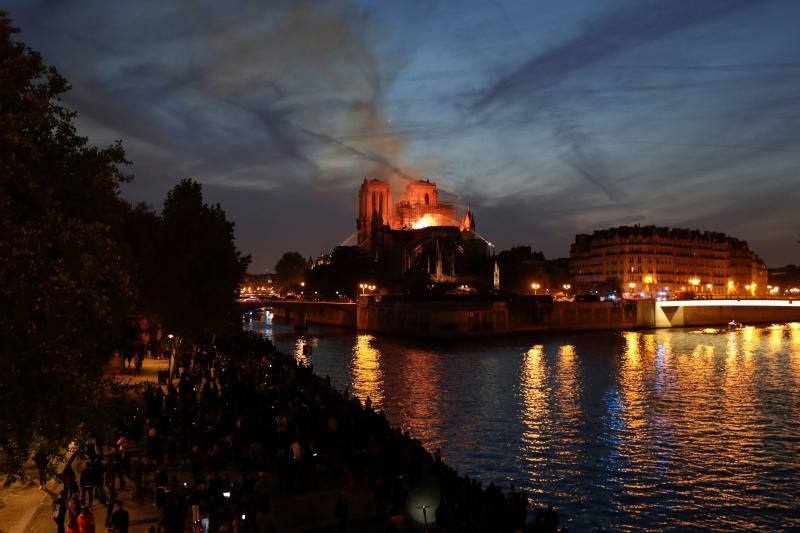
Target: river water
x=663 y=429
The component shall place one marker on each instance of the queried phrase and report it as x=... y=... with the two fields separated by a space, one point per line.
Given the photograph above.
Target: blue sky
x=549 y=117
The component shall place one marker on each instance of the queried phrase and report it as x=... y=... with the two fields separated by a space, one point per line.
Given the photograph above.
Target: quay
x=494 y=316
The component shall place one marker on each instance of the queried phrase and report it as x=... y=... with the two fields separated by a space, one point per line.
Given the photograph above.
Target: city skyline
x=549 y=120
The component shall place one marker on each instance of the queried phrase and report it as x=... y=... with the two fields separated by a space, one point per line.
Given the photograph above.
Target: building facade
x=663 y=261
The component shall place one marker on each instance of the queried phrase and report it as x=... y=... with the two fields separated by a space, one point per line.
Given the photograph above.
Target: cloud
x=619 y=30
x=550 y=119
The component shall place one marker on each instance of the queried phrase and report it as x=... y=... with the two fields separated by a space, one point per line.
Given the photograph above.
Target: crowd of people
x=100 y=477
x=240 y=424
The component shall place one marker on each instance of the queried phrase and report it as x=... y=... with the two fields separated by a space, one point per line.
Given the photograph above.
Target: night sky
x=550 y=117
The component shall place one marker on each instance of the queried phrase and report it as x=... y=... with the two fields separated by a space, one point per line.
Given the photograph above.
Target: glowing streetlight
x=366 y=287
x=631 y=285
x=567 y=286
x=535 y=286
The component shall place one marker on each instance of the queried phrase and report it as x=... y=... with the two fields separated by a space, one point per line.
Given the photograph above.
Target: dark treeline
x=80 y=267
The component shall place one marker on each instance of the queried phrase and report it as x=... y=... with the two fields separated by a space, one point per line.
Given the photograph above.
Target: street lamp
x=366 y=287
x=567 y=286
x=171 y=355
x=535 y=286
x=424 y=514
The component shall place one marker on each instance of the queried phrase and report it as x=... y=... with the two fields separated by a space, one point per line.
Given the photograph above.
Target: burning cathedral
x=419 y=234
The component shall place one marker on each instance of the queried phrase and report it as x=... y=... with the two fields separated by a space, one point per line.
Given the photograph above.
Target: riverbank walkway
x=251 y=440
x=24 y=507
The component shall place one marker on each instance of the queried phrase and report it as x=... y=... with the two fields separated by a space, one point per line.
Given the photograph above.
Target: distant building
x=420 y=234
x=649 y=259
x=257 y=285
x=785 y=281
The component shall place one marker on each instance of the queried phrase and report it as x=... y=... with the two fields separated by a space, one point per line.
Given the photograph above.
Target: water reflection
x=367 y=377
x=630 y=430
x=535 y=392
x=420 y=409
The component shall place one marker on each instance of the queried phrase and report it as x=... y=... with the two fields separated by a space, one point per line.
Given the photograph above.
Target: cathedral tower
x=375 y=196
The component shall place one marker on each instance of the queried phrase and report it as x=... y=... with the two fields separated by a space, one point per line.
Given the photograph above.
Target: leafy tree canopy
x=197 y=268
x=348 y=266
x=290 y=271
x=65 y=289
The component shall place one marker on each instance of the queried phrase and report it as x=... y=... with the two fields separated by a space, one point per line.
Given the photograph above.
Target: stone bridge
x=690 y=313
x=303 y=312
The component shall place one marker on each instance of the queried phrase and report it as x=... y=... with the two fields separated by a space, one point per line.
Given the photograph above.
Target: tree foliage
x=290 y=271
x=78 y=264
x=348 y=266
x=65 y=289
x=197 y=267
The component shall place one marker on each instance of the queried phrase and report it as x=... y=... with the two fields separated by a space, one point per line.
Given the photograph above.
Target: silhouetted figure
x=120 y=518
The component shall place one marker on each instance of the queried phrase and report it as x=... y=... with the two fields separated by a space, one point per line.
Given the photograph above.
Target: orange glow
x=367 y=373
x=425 y=221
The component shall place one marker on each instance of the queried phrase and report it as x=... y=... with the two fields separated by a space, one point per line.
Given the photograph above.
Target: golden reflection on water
x=568 y=384
x=775 y=338
x=535 y=392
x=794 y=350
x=413 y=375
x=367 y=375
x=630 y=381
x=421 y=377
x=652 y=430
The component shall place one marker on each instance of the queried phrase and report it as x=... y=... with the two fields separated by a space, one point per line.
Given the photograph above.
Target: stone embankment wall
x=481 y=318
x=332 y=314
x=484 y=317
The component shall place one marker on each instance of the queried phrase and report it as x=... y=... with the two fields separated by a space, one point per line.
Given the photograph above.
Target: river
x=663 y=429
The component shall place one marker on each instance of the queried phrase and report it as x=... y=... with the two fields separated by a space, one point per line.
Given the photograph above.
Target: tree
x=193 y=289
x=65 y=287
x=348 y=266
x=290 y=271
x=142 y=235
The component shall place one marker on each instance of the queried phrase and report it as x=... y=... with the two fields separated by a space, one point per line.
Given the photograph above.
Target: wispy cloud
x=549 y=118
x=622 y=29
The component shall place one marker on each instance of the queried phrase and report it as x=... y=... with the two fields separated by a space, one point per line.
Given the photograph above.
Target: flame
x=426 y=220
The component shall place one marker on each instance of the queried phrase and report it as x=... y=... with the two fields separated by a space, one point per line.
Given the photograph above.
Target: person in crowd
x=120 y=518
x=86 y=521
x=341 y=512
x=41 y=459
x=72 y=514
x=241 y=406
x=87 y=484
x=59 y=511
x=68 y=480
x=137 y=477
x=111 y=498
